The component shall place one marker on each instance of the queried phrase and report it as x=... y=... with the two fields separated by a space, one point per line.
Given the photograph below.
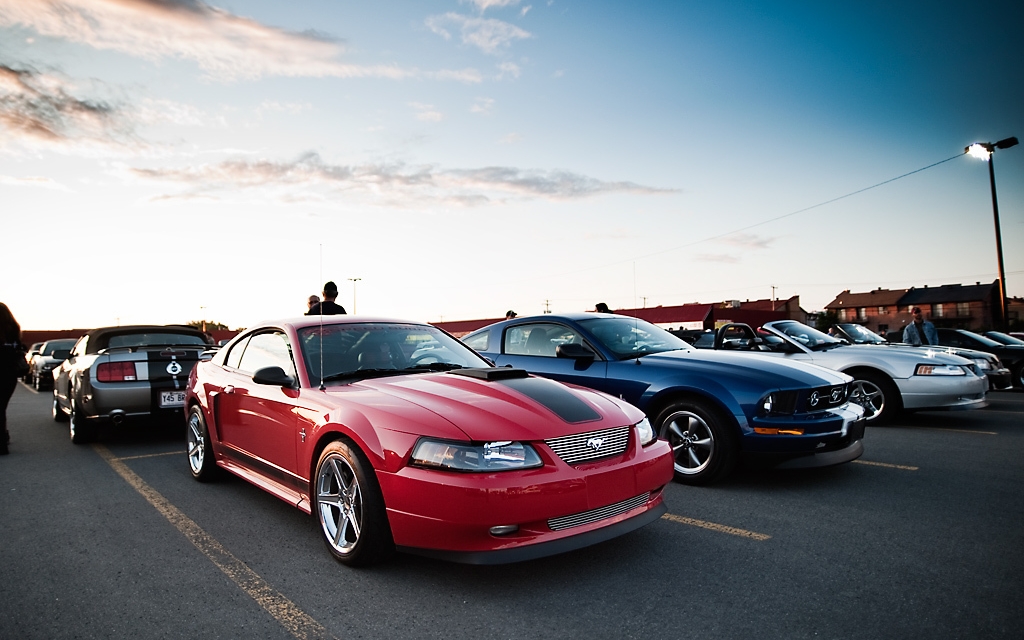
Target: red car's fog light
x=504 y=530
x=115 y=371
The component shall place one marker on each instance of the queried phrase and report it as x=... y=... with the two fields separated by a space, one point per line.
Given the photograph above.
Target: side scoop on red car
x=396 y=436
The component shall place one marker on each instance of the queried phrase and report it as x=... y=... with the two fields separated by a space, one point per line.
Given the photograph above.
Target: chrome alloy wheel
x=868 y=395
x=196 y=443
x=339 y=503
x=692 y=440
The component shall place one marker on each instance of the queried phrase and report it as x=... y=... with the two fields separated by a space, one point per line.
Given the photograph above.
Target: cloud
x=426 y=112
x=484 y=5
x=390 y=184
x=508 y=69
x=748 y=241
x=41 y=110
x=227 y=47
x=32 y=181
x=487 y=34
x=482 y=106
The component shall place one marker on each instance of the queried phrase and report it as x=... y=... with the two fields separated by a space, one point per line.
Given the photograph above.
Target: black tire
x=703 y=441
x=878 y=395
x=200 y=450
x=58 y=413
x=349 y=506
x=81 y=432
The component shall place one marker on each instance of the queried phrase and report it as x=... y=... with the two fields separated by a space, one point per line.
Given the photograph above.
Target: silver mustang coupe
x=886 y=381
x=118 y=374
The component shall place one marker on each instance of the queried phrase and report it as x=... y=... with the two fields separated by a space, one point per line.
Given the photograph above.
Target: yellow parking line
x=152 y=455
x=284 y=610
x=885 y=464
x=721 y=528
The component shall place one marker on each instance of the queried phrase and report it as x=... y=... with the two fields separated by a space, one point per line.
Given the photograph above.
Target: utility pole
x=547 y=306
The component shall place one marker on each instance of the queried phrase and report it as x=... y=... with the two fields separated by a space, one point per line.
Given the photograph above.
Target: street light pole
x=984 y=151
x=355 y=280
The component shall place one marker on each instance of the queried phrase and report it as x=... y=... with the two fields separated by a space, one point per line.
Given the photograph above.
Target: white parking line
x=980 y=433
x=297 y=622
x=721 y=528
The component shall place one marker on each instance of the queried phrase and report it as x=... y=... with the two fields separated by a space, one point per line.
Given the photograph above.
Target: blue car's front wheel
x=702 y=441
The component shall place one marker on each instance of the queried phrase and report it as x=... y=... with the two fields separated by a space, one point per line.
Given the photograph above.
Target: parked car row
x=527 y=438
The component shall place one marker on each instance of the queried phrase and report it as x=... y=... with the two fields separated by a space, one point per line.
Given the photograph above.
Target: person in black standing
x=328 y=307
x=12 y=360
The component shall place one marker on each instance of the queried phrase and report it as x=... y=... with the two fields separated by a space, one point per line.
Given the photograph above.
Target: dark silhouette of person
x=328 y=307
x=11 y=352
x=601 y=307
x=510 y=314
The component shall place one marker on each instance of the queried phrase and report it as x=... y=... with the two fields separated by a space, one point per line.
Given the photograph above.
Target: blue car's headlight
x=645 y=433
x=479 y=458
x=939 y=370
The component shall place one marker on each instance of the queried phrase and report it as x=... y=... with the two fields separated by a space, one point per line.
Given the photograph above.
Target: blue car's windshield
x=631 y=337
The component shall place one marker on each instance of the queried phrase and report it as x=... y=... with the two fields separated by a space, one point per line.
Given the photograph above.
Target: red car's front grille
x=583 y=447
x=578 y=519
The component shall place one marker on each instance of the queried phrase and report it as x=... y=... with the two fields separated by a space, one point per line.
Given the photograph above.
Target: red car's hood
x=458 y=406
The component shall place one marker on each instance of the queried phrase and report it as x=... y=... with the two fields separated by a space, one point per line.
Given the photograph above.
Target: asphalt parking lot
x=920 y=538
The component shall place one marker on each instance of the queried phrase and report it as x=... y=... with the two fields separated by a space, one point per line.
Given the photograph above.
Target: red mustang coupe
x=398 y=436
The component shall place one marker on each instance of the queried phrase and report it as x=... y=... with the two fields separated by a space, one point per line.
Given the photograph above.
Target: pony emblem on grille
x=595 y=443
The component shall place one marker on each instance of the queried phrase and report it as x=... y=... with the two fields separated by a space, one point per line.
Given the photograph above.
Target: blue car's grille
x=577 y=519
x=582 y=447
x=823 y=398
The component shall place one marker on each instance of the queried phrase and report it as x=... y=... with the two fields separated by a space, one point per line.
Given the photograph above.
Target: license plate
x=172 y=398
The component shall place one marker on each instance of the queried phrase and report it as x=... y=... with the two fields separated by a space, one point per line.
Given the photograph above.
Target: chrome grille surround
x=578 y=447
x=578 y=519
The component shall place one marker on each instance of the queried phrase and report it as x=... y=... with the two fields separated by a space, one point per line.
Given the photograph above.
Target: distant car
x=999 y=377
x=32 y=351
x=116 y=374
x=51 y=354
x=395 y=435
x=887 y=380
x=1003 y=338
x=713 y=408
x=1012 y=355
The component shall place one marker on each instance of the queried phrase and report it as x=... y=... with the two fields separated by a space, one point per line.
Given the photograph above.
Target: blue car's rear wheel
x=702 y=439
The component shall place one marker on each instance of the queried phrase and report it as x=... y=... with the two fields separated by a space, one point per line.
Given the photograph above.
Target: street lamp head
x=979 y=150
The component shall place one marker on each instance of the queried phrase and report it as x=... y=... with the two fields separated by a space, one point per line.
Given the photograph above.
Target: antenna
x=321 y=308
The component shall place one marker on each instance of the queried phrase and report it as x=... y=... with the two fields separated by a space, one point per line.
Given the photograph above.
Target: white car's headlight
x=480 y=458
x=939 y=370
x=645 y=433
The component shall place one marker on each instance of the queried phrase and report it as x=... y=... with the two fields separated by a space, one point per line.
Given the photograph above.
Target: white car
x=886 y=381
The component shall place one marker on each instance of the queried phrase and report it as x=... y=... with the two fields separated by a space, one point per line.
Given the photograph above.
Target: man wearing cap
x=328 y=307
x=510 y=314
x=920 y=331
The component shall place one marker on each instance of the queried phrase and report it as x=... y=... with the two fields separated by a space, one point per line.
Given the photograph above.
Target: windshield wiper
x=434 y=366
x=364 y=373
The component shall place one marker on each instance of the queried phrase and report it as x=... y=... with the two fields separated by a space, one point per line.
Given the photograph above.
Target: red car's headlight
x=479 y=458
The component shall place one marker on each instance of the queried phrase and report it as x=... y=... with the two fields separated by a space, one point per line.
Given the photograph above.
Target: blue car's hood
x=719 y=364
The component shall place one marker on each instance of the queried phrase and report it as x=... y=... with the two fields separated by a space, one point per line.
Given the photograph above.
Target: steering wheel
x=425 y=358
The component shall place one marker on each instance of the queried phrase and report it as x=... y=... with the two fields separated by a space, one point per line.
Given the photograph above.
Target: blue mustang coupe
x=714 y=407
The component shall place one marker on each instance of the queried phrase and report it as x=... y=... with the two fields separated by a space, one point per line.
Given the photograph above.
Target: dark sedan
x=1011 y=355
x=714 y=408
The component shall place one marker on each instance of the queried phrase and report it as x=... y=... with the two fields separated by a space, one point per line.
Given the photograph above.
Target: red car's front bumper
x=556 y=507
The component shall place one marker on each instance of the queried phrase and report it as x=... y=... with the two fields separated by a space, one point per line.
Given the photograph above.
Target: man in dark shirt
x=328 y=307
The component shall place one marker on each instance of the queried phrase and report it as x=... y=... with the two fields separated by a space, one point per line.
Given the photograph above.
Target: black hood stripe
x=555 y=397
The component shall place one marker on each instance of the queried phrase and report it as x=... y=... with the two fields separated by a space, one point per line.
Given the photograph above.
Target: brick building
x=951 y=305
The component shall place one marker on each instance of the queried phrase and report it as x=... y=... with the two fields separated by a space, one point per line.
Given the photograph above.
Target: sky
x=174 y=160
